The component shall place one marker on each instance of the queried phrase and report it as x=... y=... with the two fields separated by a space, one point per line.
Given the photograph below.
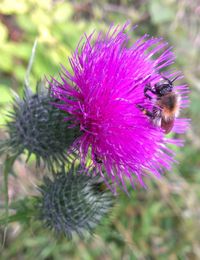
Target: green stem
x=7 y=168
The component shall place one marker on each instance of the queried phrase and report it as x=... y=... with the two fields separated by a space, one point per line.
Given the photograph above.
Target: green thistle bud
x=74 y=202
x=38 y=126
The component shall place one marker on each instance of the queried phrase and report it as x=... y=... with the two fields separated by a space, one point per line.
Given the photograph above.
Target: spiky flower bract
x=74 y=202
x=37 y=126
x=102 y=95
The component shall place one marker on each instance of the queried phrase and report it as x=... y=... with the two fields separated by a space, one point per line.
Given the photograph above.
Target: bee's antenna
x=170 y=81
x=165 y=78
x=175 y=78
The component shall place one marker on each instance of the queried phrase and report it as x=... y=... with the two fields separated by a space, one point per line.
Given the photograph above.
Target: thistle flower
x=102 y=97
x=37 y=126
x=73 y=202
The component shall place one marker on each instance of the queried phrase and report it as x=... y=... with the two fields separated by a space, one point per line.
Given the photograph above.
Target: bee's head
x=163 y=89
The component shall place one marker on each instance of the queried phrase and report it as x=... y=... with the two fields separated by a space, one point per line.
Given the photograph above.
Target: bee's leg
x=149 y=113
x=146 y=112
x=148 y=88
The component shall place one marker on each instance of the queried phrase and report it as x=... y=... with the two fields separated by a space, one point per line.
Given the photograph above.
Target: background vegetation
x=161 y=222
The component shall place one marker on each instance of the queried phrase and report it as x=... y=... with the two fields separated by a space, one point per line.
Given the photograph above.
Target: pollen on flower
x=102 y=97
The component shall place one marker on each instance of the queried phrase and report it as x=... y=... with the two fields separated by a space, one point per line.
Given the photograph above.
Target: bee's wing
x=167 y=125
x=157 y=117
x=157 y=121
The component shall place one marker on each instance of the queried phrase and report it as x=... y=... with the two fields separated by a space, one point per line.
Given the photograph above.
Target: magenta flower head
x=114 y=96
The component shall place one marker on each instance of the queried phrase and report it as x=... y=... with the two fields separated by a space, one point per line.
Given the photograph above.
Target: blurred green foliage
x=159 y=223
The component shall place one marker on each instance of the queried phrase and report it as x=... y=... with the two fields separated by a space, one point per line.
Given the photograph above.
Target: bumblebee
x=167 y=104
